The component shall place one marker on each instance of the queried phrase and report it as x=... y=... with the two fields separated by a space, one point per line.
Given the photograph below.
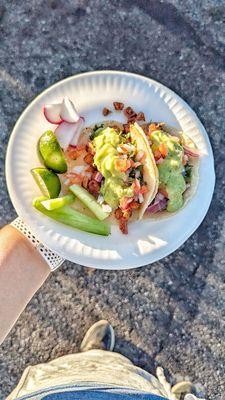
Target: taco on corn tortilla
x=117 y=167
x=177 y=161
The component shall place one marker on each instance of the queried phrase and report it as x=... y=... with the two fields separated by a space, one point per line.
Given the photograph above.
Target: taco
x=177 y=160
x=127 y=165
x=123 y=174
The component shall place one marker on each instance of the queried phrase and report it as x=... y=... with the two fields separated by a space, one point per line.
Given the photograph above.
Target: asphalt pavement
x=170 y=313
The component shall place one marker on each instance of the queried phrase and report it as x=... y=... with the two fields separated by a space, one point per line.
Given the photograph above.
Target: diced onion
x=140 y=198
x=106 y=208
x=100 y=199
x=78 y=169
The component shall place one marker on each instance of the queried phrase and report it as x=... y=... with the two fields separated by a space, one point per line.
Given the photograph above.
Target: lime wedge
x=47 y=181
x=52 y=204
x=52 y=153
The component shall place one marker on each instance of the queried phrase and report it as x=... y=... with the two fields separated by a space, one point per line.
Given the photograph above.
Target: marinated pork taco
x=177 y=160
x=122 y=174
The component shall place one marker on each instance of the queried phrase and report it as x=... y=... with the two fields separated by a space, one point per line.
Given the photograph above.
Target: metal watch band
x=53 y=260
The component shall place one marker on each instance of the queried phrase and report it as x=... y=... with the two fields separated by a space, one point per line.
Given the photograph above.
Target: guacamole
x=171 y=169
x=114 y=187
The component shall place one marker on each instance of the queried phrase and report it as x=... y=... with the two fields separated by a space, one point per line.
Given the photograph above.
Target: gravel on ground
x=170 y=313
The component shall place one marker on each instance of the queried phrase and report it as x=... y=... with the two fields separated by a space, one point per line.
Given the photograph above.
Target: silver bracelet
x=53 y=260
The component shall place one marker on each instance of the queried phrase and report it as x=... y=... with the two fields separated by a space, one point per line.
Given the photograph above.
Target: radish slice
x=68 y=112
x=52 y=113
x=190 y=152
x=68 y=134
x=77 y=131
x=64 y=133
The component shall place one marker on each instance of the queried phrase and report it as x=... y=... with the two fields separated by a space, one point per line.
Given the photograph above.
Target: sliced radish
x=52 y=113
x=190 y=152
x=64 y=133
x=68 y=111
x=77 y=131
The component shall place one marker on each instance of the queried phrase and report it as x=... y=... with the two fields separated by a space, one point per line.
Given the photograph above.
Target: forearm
x=22 y=272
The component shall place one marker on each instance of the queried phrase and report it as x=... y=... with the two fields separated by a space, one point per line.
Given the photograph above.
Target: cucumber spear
x=71 y=217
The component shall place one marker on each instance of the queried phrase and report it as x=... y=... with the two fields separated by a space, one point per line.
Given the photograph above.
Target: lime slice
x=52 y=153
x=52 y=204
x=47 y=181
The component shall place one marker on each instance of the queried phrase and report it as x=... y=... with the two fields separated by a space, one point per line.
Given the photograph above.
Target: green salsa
x=114 y=187
x=171 y=169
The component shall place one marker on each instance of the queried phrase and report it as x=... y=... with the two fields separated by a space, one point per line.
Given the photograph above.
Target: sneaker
x=99 y=336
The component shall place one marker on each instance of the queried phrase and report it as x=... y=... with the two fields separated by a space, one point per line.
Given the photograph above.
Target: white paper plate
x=148 y=240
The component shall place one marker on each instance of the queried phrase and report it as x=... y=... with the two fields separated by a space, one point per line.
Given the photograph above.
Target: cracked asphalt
x=171 y=313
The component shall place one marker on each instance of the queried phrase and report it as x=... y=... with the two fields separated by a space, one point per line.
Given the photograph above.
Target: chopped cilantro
x=187 y=173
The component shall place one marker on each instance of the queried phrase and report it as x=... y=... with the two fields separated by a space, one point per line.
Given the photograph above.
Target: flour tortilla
x=194 y=161
x=150 y=171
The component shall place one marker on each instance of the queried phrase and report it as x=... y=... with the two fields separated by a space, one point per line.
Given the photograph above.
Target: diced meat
x=160 y=160
x=140 y=116
x=143 y=189
x=118 y=105
x=123 y=226
x=126 y=128
x=118 y=213
x=89 y=159
x=75 y=151
x=129 y=112
x=106 y=111
x=89 y=148
x=145 y=128
x=94 y=187
x=163 y=149
x=132 y=118
x=157 y=155
x=85 y=182
x=127 y=213
x=90 y=169
x=134 y=205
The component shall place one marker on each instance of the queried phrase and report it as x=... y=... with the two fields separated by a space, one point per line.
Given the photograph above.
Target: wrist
x=52 y=259
x=22 y=273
